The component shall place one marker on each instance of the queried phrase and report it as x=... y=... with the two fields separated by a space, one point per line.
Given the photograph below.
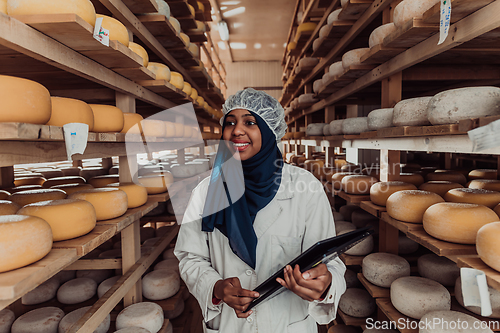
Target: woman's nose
x=238 y=129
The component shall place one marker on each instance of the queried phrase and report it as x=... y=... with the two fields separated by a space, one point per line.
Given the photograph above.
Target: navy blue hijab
x=262 y=178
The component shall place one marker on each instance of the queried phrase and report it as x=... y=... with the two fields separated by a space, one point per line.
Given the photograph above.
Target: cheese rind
x=380 y=192
x=63 y=180
x=76 y=291
x=23 y=198
x=71 y=318
x=109 y=203
x=487 y=244
x=439 y=269
x=494 y=300
x=157 y=184
x=358 y=184
x=474 y=196
x=380 y=118
x=410 y=205
x=117 y=31
x=8 y=207
x=160 y=284
x=137 y=195
x=140 y=51
x=439 y=187
x=353 y=57
x=72 y=188
x=382 y=269
x=107 y=118
x=43 y=293
x=147 y=315
x=7 y=317
x=42 y=320
x=411 y=112
x=161 y=71
x=377 y=36
x=177 y=80
x=354 y=125
x=131 y=122
x=452 y=322
x=357 y=303
x=69 y=110
x=103 y=180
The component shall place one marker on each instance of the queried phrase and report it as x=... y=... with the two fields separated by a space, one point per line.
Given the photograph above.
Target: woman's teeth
x=240 y=144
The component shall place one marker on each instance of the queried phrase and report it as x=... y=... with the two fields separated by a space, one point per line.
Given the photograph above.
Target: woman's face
x=241 y=129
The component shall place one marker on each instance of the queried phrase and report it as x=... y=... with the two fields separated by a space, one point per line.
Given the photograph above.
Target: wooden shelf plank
x=492 y=276
x=141 y=6
x=351 y=260
x=439 y=247
x=373 y=209
x=412 y=33
x=335 y=34
x=375 y=291
x=351 y=321
x=404 y=227
x=130 y=216
x=164 y=88
x=85 y=244
x=491 y=323
x=461 y=9
x=179 y=8
x=380 y=54
x=354 y=9
x=159 y=26
x=136 y=74
x=395 y=316
x=187 y=22
x=196 y=36
x=353 y=198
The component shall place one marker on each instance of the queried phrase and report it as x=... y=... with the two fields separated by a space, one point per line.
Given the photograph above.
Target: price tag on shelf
x=475 y=290
x=101 y=34
x=485 y=137
x=444 y=26
x=75 y=137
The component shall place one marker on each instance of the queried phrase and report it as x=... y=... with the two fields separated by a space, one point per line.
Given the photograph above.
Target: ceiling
x=258 y=29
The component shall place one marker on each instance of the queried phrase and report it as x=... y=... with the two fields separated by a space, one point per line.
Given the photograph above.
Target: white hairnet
x=267 y=107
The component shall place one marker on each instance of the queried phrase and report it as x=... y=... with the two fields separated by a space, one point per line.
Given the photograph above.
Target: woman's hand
x=230 y=291
x=310 y=285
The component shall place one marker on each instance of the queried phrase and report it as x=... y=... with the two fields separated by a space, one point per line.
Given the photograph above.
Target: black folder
x=322 y=252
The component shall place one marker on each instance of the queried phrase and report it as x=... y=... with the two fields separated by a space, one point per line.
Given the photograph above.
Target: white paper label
x=101 y=34
x=444 y=26
x=475 y=290
x=485 y=137
x=75 y=136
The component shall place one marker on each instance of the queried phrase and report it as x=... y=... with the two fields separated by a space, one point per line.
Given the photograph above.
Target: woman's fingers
x=315 y=272
x=241 y=314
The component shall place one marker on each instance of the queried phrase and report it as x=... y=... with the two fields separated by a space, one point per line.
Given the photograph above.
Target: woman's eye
x=250 y=122
x=229 y=123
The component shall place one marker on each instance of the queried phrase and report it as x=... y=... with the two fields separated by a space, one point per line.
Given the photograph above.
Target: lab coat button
x=250 y=319
x=249 y=272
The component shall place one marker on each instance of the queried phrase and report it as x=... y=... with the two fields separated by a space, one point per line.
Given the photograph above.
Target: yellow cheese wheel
x=185 y=38
x=451 y=176
x=179 y=130
x=412 y=178
x=117 y=31
x=487 y=244
x=457 y=222
x=351 y=168
x=380 y=192
x=152 y=127
x=308 y=26
x=191 y=9
x=175 y=24
x=83 y=8
x=161 y=71
x=51 y=173
x=8 y=207
x=103 y=180
x=476 y=196
x=23 y=240
x=140 y=51
x=137 y=195
x=4 y=194
x=63 y=180
x=68 y=218
x=24 y=188
x=337 y=179
x=72 y=188
x=35 y=180
x=23 y=101
x=130 y=120
x=483 y=174
x=200 y=100
x=291 y=46
x=107 y=118
x=358 y=184
x=187 y=88
x=71 y=171
x=325 y=173
x=439 y=186
x=194 y=49
x=177 y=80
x=205 y=105
x=485 y=184
x=23 y=198
x=69 y=110
x=201 y=6
x=188 y=131
x=194 y=93
x=3 y=6
x=339 y=163
x=169 y=129
x=158 y=183
x=200 y=26
x=313 y=165
x=410 y=205
x=108 y=203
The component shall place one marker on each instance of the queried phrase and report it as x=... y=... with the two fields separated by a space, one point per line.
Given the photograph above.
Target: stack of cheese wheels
x=137 y=195
x=408 y=9
x=380 y=192
x=30 y=180
x=71 y=318
x=23 y=240
x=8 y=207
x=412 y=178
x=440 y=187
x=117 y=31
x=160 y=284
x=153 y=127
x=63 y=180
x=69 y=110
x=337 y=179
x=377 y=36
x=161 y=71
x=103 y=180
x=76 y=291
x=72 y=188
x=450 y=176
x=83 y=8
x=439 y=269
x=7 y=317
x=107 y=118
x=485 y=184
x=452 y=321
x=475 y=196
x=358 y=184
x=42 y=320
x=379 y=119
x=146 y=315
x=109 y=203
x=56 y=213
x=382 y=269
x=411 y=112
x=494 y=300
x=325 y=173
x=138 y=49
x=487 y=245
x=23 y=198
x=358 y=303
x=131 y=123
x=177 y=80
x=410 y=205
x=43 y=293
x=483 y=174
x=155 y=184
x=415 y=296
x=457 y=222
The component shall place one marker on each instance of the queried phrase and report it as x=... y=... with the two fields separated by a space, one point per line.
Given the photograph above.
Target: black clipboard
x=322 y=252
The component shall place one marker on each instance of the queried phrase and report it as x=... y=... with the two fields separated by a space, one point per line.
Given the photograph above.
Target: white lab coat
x=297 y=217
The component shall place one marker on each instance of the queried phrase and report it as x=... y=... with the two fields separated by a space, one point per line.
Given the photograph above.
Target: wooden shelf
x=85 y=244
x=335 y=34
x=439 y=247
x=373 y=209
x=354 y=9
x=410 y=34
x=166 y=89
x=351 y=321
x=395 y=316
x=404 y=227
x=351 y=260
x=353 y=198
x=375 y=291
x=380 y=54
x=492 y=276
x=492 y=323
x=141 y=6
x=130 y=216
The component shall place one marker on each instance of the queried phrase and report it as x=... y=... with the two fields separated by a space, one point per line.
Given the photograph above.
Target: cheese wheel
x=315 y=129
x=179 y=130
x=161 y=71
x=191 y=10
x=69 y=110
x=171 y=264
x=63 y=180
x=187 y=88
x=106 y=285
x=377 y=36
x=160 y=284
x=131 y=122
x=351 y=279
x=356 y=302
x=334 y=16
x=83 y=8
x=23 y=198
x=117 y=31
x=147 y=315
x=136 y=330
x=188 y=131
x=34 y=180
x=380 y=192
x=109 y=203
x=307 y=99
x=475 y=196
x=457 y=222
x=76 y=291
x=304 y=27
x=358 y=184
x=292 y=45
x=494 y=299
x=200 y=100
x=3 y=9
x=185 y=39
x=169 y=254
x=140 y=51
x=42 y=320
x=72 y=188
x=7 y=317
x=337 y=179
x=71 y=318
x=317 y=87
x=347 y=210
x=439 y=269
x=439 y=187
x=194 y=93
x=163 y=9
x=336 y=69
x=406 y=10
x=201 y=7
x=485 y=184
x=452 y=322
x=410 y=205
x=450 y=176
x=90 y=172
x=350 y=167
x=103 y=180
x=353 y=57
x=316 y=44
x=98 y=275
x=336 y=127
x=137 y=195
x=175 y=24
x=483 y=174
x=107 y=118
x=153 y=128
x=487 y=245
x=169 y=129
x=71 y=171
x=382 y=269
x=412 y=178
x=56 y=213
x=355 y=125
x=4 y=195
x=415 y=296
x=324 y=31
x=8 y=207
x=65 y=276
x=380 y=118
x=177 y=80
x=157 y=184
x=411 y=112
x=43 y=293
x=360 y=249
x=200 y=26
x=313 y=165
x=194 y=49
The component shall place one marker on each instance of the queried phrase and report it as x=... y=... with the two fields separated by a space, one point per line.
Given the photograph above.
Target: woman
x=241 y=226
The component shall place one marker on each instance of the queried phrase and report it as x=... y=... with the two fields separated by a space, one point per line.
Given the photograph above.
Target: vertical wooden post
x=202 y=150
x=77 y=163
x=330 y=157
x=107 y=163
x=181 y=156
x=329 y=114
x=7 y=177
x=389 y=165
x=447 y=161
